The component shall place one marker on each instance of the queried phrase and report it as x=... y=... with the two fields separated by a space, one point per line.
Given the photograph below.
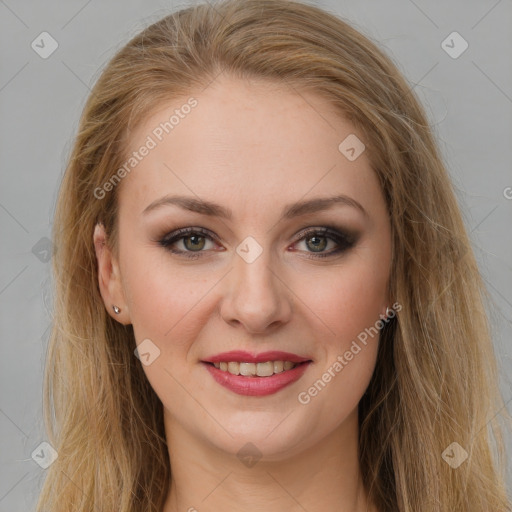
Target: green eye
x=194 y=241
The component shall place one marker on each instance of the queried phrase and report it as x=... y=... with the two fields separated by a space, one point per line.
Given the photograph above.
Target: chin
x=263 y=435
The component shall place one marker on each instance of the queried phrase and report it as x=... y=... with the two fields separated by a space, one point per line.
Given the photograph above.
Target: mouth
x=256 y=375
x=246 y=369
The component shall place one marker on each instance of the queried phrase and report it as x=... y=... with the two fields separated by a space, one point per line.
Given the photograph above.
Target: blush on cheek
x=167 y=310
x=347 y=304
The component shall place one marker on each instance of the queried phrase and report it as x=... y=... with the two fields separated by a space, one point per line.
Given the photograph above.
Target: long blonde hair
x=436 y=379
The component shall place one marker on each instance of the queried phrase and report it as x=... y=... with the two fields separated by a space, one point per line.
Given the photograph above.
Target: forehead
x=244 y=142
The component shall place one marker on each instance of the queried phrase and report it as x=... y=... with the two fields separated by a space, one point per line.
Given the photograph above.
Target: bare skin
x=253 y=147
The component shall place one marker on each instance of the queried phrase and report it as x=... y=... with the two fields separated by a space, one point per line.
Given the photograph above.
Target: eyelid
x=325 y=230
x=175 y=234
x=348 y=235
x=344 y=239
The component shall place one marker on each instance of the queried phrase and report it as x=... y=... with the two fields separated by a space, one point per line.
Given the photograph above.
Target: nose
x=256 y=296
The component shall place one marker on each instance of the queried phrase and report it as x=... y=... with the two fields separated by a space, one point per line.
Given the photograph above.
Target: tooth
x=248 y=369
x=234 y=368
x=265 y=369
x=278 y=366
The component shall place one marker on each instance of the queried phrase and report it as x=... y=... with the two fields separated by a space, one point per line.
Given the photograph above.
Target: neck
x=325 y=476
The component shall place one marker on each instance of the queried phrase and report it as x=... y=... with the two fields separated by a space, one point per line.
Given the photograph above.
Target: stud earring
x=390 y=313
x=116 y=310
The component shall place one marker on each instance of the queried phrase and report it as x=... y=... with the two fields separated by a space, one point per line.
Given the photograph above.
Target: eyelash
x=343 y=240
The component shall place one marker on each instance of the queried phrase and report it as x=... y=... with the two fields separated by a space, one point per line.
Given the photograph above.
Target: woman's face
x=272 y=264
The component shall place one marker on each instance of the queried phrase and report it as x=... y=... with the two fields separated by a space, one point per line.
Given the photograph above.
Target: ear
x=109 y=277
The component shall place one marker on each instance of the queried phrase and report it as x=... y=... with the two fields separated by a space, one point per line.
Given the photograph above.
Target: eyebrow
x=290 y=211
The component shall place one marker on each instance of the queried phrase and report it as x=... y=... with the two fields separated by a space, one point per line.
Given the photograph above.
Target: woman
x=265 y=294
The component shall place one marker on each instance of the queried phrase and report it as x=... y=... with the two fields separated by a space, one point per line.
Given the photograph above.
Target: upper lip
x=241 y=356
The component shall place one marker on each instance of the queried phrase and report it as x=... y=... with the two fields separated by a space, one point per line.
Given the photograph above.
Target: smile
x=256 y=374
x=255 y=385
x=266 y=369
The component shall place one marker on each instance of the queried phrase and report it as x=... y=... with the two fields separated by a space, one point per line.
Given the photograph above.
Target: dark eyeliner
x=344 y=240
x=168 y=240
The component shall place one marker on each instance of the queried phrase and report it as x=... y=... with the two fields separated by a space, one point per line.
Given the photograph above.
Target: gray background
x=469 y=100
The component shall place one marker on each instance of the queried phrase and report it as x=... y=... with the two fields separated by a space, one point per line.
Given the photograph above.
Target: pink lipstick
x=256 y=374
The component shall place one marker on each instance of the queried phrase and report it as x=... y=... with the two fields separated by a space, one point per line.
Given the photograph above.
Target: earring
x=116 y=310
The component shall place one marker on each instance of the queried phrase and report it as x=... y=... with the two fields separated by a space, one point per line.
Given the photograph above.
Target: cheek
x=162 y=299
x=347 y=303
x=168 y=307
x=164 y=309
x=347 y=299
x=349 y=307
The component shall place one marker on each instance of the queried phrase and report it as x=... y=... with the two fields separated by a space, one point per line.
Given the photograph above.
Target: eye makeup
x=192 y=238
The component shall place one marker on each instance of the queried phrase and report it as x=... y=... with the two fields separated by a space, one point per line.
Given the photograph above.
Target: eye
x=195 y=240
x=317 y=240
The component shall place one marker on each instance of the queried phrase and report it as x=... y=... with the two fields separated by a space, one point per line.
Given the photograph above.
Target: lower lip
x=257 y=386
